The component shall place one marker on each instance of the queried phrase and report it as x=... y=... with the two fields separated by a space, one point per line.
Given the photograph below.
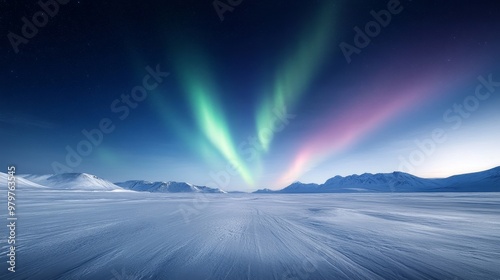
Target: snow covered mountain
x=20 y=182
x=396 y=181
x=84 y=181
x=484 y=181
x=170 y=187
x=299 y=187
x=264 y=191
x=488 y=180
x=71 y=181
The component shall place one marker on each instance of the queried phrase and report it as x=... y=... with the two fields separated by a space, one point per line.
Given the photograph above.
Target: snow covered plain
x=64 y=234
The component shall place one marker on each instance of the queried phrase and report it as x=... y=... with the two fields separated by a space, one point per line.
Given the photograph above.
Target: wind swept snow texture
x=72 y=181
x=171 y=187
x=142 y=235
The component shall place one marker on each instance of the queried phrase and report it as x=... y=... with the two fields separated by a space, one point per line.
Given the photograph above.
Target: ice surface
x=65 y=234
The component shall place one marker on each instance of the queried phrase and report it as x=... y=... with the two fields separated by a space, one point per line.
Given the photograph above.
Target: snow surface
x=67 y=234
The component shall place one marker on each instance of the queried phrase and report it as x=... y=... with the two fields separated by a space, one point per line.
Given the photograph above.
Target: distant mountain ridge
x=484 y=181
x=170 y=187
x=89 y=182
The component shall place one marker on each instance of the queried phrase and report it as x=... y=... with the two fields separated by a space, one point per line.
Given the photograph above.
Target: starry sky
x=245 y=94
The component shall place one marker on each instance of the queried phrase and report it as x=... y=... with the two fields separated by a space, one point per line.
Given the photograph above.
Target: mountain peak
x=398 y=181
x=168 y=187
x=80 y=181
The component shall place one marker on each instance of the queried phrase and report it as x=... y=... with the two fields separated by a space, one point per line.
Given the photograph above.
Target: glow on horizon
x=341 y=130
x=340 y=135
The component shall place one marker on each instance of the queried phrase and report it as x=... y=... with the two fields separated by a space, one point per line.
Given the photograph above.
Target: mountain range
x=484 y=181
x=172 y=187
x=89 y=182
x=71 y=181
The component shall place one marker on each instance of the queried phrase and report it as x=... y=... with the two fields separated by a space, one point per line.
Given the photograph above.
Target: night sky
x=250 y=94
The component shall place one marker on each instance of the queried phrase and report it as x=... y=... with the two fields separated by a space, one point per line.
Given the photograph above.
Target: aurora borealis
x=294 y=77
x=258 y=100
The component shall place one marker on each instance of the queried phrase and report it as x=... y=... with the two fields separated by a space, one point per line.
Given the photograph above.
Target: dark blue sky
x=271 y=91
